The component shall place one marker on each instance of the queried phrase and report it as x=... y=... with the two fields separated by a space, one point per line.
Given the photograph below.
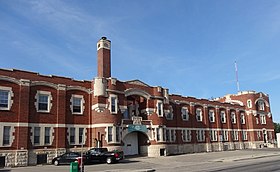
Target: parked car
x=66 y=158
x=103 y=155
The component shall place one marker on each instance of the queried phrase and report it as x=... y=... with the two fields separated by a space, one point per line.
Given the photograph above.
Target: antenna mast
x=236 y=75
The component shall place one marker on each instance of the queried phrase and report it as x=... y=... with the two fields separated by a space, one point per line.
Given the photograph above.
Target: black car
x=103 y=155
x=66 y=158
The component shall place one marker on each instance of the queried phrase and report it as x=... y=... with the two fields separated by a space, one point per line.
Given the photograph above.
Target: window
x=244 y=135
x=242 y=118
x=6 y=95
x=233 y=118
x=185 y=113
x=4 y=99
x=110 y=134
x=249 y=103
x=259 y=135
x=169 y=113
x=263 y=119
x=235 y=135
x=261 y=105
x=211 y=116
x=257 y=120
x=113 y=104
x=81 y=135
x=159 y=108
x=213 y=135
x=37 y=135
x=43 y=101
x=172 y=133
x=117 y=134
x=158 y=134
x=223 y=117
x=186 y=135
x=77 y=104
x=167 y=133
x=6 y=135
x=72 y=135
x=198 y=114
x=200 y=135
x=47 y=135
x=225 y=135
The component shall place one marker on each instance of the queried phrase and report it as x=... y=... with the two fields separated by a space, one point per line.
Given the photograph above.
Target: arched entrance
x=136 y=143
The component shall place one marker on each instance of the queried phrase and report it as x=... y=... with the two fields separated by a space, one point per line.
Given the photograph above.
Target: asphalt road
x=231 y=161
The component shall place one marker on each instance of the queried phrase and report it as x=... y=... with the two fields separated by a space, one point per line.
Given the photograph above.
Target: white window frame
x=185 y=113
x=213 y=135
x=223 y=117
x=199 y=114
x=167 y=134
x=49 y=101
x=9 y=134
x=160 y=109
x=263 y=119
x=113 y=132
x=259 y=135
x=249 y=103
x=211 y=114
x=257 y=120
x=225 y=135
x=233 y=117
x=47 y=135
x=72 y=133
x=35 y=135
x=235 y=135
x=186 y=135
x=10 y=95
x=82 y=102
x=172 y=135
x=113 y=110
x=242 y=118
x=244 y=135
x=200 y=135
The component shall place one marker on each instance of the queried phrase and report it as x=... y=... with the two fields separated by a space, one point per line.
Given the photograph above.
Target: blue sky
x=188 y=46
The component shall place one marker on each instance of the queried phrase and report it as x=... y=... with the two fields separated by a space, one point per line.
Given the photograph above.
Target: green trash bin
x=74 y=167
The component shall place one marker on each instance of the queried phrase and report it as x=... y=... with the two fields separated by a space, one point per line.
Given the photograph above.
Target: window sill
x=76 y=113
x=43 y=111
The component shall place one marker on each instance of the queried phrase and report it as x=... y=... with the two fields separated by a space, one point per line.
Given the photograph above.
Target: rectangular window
x=37 y=135
x=186 y=135
x=117 y=134
x=81 y=135
x=263 y=119
x=225 y=135
x=72 y=135
x=158 y=134
x=110 y=134
x=211 y=116
x=113 y=105
x=235 y=135
x=47 y=135
x=223 y=117
x=200 y=135
x=244 y=135
x=213 y=135
x=6 y=135
x=185 y=114
x=43 y=103
x=4 y=99
x=198 y=114
x=259 y=135
x=77 y=105
x=242 y=118
x=172 y=135
x=233 y=118
x=160 y=109
x=167 y=131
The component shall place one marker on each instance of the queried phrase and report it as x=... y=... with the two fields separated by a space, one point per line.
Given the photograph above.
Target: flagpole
x=236 y=75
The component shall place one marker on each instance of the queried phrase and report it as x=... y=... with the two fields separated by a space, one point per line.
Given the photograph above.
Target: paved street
x=241 y=160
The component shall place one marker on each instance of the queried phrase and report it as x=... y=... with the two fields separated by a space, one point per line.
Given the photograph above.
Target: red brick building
x=43 y=116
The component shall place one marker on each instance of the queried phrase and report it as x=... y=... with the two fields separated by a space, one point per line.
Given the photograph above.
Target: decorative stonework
x=99 y=107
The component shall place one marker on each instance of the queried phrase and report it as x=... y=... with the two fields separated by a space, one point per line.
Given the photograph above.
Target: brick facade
x=49 y=115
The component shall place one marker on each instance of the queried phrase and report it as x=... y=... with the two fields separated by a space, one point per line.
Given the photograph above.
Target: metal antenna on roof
x=236 y=75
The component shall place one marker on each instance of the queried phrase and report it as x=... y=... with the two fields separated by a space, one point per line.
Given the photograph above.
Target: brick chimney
x=104 y=58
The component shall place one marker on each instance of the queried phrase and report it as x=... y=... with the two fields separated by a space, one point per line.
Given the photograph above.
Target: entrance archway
x=136 y=143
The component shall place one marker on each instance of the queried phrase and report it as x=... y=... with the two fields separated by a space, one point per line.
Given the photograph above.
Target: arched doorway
x=136 y=143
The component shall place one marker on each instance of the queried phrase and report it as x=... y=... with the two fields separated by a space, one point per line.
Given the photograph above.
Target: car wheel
x=56 y=162
x=109 y=160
